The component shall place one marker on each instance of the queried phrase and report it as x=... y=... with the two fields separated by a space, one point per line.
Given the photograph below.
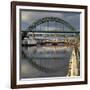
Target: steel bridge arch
x=52 y=19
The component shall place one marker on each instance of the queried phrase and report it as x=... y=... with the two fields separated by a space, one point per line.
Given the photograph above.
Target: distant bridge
x=50 y=25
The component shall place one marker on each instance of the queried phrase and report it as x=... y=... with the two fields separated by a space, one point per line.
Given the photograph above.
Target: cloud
x=74 y=20
x=25 y=16
x=28 y=17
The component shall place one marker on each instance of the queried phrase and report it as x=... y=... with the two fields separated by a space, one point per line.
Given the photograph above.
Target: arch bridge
x=51 y=30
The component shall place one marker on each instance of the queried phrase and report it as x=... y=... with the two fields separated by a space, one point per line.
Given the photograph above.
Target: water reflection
x=45 y=61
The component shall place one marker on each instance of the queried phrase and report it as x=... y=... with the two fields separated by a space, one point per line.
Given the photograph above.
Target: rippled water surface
x=44 y=61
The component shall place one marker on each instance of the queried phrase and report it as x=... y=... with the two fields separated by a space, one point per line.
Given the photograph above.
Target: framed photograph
x=48 y=44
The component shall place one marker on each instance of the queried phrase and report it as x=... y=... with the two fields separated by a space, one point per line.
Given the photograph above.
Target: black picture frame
x=14 y=4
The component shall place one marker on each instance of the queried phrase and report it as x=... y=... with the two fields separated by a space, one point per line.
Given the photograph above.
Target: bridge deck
x=39 y=31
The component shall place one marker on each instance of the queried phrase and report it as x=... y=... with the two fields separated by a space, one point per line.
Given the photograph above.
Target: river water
x=44 y=61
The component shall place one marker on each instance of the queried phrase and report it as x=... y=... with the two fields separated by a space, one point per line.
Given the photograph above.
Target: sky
x=29 y=16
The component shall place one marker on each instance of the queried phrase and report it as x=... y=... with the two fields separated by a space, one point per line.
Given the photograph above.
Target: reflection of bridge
x=52 y=31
